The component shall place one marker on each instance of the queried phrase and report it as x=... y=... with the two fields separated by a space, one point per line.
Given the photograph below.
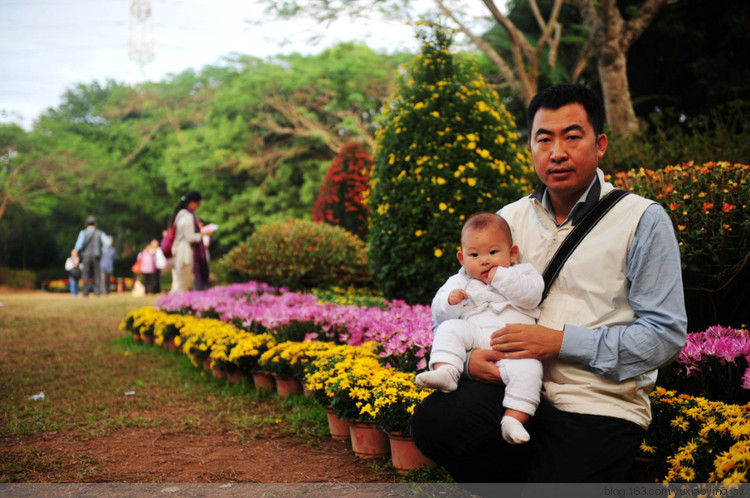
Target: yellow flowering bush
x=339 y=377
x=393 y=401
x=291 y=358
x=693 y=439
x=246 y=354
x=446 y=148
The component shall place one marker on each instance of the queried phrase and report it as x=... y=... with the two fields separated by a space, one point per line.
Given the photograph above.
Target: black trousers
x=461 y=431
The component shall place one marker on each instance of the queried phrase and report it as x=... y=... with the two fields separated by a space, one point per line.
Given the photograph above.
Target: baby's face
x=483 y=249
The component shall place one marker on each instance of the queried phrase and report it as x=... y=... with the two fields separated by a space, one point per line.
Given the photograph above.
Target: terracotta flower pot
x=405 y=455
x=367 y=441
x=263 y=380
x=286 y=385
x=338 y=428
x=236 y=376
x=170 y=344
x=219 y=373
x=137 y=338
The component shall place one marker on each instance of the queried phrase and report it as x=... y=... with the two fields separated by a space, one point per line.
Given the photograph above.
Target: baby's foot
x=445 y=378
x=514 y=431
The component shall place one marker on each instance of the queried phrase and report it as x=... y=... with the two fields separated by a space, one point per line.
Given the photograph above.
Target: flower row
x=350 y=380
x=693 y=439
x=403 y=333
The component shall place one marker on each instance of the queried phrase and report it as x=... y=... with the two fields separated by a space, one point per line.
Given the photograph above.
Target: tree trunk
x=613 y=74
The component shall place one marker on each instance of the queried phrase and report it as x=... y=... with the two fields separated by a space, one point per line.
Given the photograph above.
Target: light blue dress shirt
x=656 y=295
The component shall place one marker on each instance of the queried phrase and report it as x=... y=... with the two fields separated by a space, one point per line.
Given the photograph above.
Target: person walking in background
x=188 y=252
x=107 y=265
x=161 y=263
x=90 y=246
x=149 y=258
x=73 y=266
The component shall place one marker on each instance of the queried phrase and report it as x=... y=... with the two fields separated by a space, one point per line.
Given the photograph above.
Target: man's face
x=566 y=150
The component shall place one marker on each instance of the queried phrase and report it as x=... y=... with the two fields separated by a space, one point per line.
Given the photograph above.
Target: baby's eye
x=474 y=255
x=494 y=252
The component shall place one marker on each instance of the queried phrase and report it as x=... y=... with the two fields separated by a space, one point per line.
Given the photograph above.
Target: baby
x=488 y=292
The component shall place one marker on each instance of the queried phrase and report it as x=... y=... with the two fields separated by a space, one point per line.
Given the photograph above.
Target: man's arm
x=659 y=332
x=79 y=241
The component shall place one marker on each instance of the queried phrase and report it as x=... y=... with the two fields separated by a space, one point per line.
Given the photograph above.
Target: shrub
x=446 y=148
x=670 y=137
x=17 y=279
x=340 y=201
x=299 y=254
x=708 y=205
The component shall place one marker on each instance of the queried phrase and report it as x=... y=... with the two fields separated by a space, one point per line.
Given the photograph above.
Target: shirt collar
x=584 y=204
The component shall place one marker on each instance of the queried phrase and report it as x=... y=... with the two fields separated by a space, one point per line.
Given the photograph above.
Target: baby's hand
x=456 y=296
x=491 y=275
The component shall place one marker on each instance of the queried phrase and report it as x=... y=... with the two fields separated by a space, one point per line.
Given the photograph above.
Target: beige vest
x=591 y=291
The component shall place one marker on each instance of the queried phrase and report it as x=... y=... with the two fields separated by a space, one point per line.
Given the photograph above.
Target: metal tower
x=141 y=39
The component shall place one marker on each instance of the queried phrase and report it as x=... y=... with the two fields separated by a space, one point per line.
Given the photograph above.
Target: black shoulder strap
x=577 y=234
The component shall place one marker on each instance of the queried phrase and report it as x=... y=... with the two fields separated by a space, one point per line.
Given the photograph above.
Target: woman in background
x=188 y=252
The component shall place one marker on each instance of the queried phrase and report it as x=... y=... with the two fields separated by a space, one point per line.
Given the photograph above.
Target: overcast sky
x=48 y=46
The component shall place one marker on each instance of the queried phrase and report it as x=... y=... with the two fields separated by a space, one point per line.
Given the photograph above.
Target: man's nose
x=558 y=152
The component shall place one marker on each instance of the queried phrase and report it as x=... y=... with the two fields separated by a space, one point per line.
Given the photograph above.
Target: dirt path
x=87 y=430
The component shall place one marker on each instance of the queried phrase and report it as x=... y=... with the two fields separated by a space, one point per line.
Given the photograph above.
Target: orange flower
x=708 y=206
x=727 y=207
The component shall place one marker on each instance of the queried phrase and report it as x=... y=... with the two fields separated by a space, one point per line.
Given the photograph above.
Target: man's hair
x=485 y=219
x=557 y=96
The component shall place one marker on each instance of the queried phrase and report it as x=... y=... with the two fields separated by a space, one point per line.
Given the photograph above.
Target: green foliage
x=671 y=138
x=17 y=279
x=446 y=149
x=340 y=200
x=298 y=254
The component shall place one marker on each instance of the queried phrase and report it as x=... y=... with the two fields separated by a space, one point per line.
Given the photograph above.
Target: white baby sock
x=514 y=431
x=444 y=378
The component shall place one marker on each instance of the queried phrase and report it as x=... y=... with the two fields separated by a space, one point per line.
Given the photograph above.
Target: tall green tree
x=446 y=148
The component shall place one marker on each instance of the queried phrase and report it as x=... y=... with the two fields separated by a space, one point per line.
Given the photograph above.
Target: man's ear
x=513 y=253
x=601 y=145
x=460 y=256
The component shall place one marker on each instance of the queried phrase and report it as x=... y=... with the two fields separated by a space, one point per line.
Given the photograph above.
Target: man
x=90 y=246
x=614 y=314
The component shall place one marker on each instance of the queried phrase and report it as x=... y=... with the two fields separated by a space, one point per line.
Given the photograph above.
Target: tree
x=610 y=35
x=28 y=173
x=340 y=201
x=445 y=149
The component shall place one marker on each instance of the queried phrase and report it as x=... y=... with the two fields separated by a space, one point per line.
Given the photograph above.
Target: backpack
x=167 y=241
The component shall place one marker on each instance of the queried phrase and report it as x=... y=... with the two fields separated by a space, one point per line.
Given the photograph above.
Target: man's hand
x=482 y=365
x=456 y=296
x=516 y=341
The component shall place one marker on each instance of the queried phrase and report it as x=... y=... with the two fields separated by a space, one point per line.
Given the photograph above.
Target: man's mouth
x=558 y=173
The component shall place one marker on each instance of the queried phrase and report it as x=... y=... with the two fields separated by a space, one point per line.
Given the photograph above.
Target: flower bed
x=691 y=438
x=403 y=333
x=352 y=380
